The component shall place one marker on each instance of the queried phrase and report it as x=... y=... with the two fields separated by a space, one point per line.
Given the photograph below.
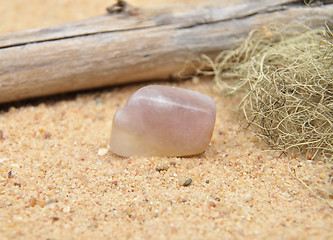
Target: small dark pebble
x=17 y=184
x=207 y=181
x=10 y=174
x=187 y=182
x=183 y=200
x=54 y=219
x=218 y=199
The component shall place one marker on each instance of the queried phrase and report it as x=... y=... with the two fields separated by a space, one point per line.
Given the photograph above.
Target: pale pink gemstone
x=163 y=121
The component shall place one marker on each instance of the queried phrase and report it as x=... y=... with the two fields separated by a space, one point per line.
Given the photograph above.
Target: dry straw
x=287 y=76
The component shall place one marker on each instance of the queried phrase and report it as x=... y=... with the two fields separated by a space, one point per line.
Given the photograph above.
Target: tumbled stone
x=163 y=121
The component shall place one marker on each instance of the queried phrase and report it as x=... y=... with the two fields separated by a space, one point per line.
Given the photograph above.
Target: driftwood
x=130 y=44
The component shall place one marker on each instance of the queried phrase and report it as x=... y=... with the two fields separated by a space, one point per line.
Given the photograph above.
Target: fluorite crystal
x=163 y=121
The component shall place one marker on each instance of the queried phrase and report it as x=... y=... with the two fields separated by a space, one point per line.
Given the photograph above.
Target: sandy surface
x=55 y=185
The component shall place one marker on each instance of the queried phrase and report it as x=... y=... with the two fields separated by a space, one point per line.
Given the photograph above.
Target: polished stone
x=161 y=120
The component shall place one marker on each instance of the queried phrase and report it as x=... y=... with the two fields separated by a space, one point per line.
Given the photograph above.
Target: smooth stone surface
x=163 y=121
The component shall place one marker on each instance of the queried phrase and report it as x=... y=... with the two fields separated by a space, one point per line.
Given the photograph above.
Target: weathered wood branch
x=134 y=45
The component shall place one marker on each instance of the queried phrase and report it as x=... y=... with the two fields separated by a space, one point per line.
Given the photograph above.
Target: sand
x=59 y=181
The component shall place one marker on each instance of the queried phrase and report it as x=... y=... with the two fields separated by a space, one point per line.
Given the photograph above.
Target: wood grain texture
x=135 y=45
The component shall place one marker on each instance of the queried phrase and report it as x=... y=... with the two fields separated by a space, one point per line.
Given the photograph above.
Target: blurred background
x=17 y=15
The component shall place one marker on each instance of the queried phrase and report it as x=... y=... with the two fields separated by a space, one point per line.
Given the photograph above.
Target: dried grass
x=317 y=177
x=287 y=76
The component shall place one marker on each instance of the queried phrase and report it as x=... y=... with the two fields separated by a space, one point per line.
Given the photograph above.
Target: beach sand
x=58 y=181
